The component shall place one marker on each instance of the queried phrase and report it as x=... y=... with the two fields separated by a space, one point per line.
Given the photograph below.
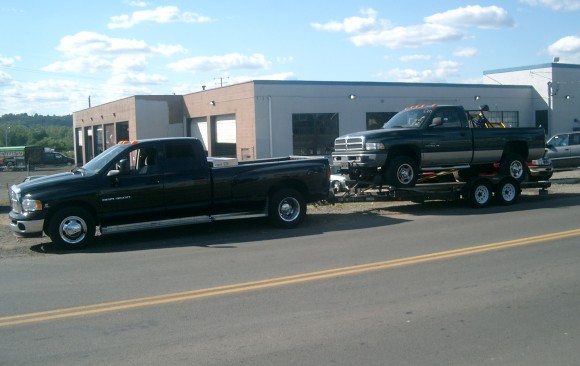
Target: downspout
x=549 y=123
x=270 y=126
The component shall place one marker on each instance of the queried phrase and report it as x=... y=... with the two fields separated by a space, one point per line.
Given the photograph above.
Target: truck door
x=448 y=140
x=187 y=187
x=134 y=191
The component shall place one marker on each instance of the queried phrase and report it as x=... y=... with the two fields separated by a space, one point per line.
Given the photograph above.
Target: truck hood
x=46 y=184
x=381 y=133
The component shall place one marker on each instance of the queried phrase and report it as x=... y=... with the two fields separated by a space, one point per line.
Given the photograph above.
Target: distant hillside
x=48 y=131
x=25 y=119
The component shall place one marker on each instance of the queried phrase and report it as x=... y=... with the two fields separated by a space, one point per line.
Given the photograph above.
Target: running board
x=443 y=168
x=177 y=222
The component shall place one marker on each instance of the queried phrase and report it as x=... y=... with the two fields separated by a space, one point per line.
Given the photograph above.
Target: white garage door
x=226 y=129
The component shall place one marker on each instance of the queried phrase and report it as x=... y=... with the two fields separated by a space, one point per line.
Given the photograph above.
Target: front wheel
x=402 y=172
x=71 y=228
x=286 y=208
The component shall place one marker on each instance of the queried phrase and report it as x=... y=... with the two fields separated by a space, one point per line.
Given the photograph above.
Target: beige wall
x=237 y=100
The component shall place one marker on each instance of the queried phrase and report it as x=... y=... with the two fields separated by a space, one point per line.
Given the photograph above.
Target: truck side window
x=148 y=161
x=449 y=119
x=180 y=157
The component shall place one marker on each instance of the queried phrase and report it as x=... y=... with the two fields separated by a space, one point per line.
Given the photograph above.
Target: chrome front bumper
x=23 y=228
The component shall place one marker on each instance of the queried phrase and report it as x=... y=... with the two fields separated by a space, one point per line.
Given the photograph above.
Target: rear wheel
x=507 y=191
x=513 y=165
x=480 y=192
x=402 y=172
x=286 y=208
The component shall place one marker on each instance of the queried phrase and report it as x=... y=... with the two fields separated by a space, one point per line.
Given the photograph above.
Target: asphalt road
x=431 y=284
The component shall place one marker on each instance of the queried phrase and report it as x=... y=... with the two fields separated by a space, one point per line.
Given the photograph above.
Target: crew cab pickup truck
x=437 y=138
x=161 y=182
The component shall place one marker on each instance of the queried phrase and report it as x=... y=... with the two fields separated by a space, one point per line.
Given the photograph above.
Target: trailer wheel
x=507 y=191
x=513 y=165
x=402 y=172
x=480 y=192
x=71 y=228
x=286 y=208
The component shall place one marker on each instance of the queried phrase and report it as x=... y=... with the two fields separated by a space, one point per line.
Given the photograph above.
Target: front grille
x=349 y=143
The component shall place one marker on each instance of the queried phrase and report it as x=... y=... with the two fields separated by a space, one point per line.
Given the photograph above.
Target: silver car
x=564 y=150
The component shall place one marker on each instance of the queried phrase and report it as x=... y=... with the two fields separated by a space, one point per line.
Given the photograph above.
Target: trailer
x=478 y=191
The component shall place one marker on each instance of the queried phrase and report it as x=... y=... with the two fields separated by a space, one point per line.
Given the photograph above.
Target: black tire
x=480 y=192
x=402 y=172
x=507 y=191
x=286 y=208
x=71 y=228
x=513 y=165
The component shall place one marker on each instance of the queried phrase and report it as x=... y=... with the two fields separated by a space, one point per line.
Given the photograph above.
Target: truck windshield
x=101 y=160
x=410 y=118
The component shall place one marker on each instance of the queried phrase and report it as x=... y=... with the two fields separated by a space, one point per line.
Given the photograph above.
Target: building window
x=509 y=119
x=376 y=120
x=314 y=133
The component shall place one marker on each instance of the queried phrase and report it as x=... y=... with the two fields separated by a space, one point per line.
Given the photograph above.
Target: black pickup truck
x=162 y=182
x=437 y=138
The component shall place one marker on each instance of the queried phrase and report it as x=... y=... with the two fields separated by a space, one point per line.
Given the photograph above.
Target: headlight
x=374 y=146
x=31 y=205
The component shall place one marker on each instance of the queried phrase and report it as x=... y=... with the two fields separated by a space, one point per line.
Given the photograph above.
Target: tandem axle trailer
x=478 y=192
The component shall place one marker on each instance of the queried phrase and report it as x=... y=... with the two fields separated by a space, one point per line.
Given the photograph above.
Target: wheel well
x=406 y=150
x=516 y=147
x=90 y=209
x=294 y=184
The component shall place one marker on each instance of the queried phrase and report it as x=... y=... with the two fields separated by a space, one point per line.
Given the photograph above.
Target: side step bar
x=178 y=222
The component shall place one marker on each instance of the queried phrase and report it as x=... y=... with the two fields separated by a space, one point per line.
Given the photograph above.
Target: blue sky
x=54 y=55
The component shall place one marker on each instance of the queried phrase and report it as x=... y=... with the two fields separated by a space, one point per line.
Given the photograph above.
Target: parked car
x=56 y=158
x=564 y=150
x=337 y=181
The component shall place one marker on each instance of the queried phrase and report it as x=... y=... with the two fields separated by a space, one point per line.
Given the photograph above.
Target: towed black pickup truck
x=162 y=182
x=437 y=138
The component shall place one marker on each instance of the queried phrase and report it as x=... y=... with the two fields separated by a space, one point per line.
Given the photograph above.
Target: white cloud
x=139 y=4
x=411 y=36
x=136 y=79
x=410 y=58
x=369 y=30
x=441 y=71
x=366 y=23
x=567 y=48
x=565 y=5
x=53 y=96
x=465 y=52
x=5 y=79
x=87 y=44
x=8 y=61
x=490 y=17
x=161 y=14
x=221 y=63
x=90 y=52
x=79 y=65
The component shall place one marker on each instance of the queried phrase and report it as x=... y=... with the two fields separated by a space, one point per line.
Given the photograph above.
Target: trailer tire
x=480 y=192
x=402 y=172
x=286 y=208
x=513 y=165
x=71 y=228
x=507 y=191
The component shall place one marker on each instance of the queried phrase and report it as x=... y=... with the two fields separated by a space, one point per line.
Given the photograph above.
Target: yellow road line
x=273 y=282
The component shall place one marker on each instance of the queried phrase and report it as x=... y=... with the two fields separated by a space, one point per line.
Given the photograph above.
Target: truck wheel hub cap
x=72 y=228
